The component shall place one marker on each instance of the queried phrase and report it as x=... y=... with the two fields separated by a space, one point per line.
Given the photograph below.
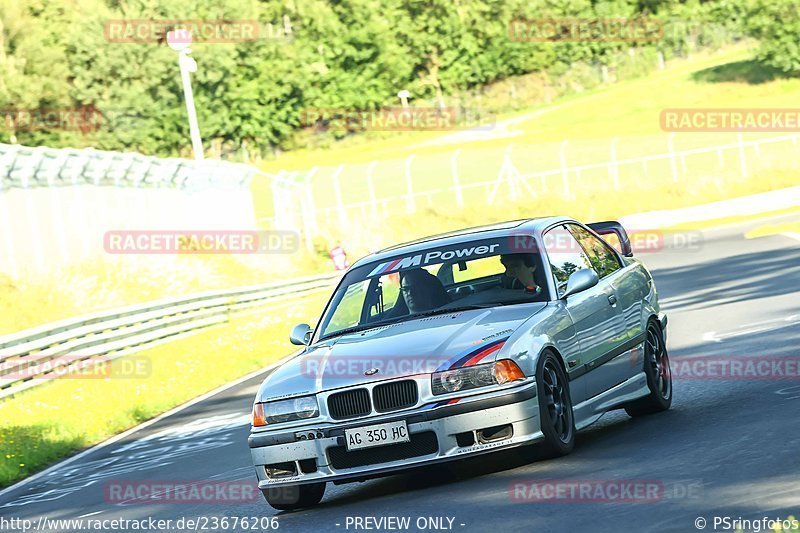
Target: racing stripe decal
x=384 y=267
x=378 y=269
x=434 y=405
x=484 y=354
x=473 y=356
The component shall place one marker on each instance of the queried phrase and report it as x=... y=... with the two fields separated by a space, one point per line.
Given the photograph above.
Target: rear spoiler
x=619 y=237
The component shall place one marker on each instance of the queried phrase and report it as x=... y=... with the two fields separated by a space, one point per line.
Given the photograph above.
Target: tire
x=555 y=407
x=292 y=497
x=659 y=375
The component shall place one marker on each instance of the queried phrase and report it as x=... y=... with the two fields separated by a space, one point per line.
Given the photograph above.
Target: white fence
x=24 y=167
x=349 y=195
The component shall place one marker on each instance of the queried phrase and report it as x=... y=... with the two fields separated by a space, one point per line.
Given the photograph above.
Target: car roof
x=502 y=229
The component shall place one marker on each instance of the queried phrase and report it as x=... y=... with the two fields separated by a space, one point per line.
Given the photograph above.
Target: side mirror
x=301 y=334
x=579 y=281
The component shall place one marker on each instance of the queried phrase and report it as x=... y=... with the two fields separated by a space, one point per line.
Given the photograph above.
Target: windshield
x=478 y=274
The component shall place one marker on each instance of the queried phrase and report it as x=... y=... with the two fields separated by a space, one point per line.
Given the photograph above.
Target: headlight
x=472 y=377
x=285 y=410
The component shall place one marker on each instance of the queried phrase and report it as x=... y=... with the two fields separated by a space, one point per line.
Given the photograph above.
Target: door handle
x=612 y=299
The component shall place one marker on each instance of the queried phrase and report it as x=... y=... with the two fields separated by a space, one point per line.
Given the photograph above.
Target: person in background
x=339 y=257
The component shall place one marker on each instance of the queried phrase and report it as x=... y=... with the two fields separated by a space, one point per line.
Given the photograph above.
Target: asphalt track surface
x=729 y=447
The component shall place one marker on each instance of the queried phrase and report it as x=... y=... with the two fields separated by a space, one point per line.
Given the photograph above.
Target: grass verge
x=57 y=419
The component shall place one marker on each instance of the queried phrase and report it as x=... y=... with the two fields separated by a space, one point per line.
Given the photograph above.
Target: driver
x=519 y=272
x=421 y=290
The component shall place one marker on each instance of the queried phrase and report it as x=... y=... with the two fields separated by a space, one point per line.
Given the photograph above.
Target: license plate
x=377 y=435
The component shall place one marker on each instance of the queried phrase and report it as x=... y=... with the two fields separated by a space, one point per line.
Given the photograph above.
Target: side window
x=565 y=255
x=603 y=259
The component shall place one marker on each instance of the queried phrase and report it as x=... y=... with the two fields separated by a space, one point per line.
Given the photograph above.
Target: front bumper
x=450 y=424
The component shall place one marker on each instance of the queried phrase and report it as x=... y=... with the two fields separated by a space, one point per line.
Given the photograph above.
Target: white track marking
x=747 y=329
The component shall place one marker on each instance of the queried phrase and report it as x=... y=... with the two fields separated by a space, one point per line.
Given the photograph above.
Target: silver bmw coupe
x=490 y=338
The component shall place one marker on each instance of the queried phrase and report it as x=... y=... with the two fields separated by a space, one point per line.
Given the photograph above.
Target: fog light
x=495 y=433
x=281 y=469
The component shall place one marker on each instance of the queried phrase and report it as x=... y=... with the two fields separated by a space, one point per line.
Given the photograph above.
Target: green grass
x=54 y=420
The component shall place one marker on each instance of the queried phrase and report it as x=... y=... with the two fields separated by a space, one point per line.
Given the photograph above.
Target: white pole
x=179 y=40
x=564 y=170
x=410 y=207
x=187 y=65
x=672 y=164
x=456 y=183
x=404 y=96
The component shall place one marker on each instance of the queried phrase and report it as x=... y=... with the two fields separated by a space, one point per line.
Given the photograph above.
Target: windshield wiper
x=360 y=327
x=432 y=312
x=448 y=310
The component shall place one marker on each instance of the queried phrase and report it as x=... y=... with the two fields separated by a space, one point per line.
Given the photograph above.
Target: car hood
x=423 y=345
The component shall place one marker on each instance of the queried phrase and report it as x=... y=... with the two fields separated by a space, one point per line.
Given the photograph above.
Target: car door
x=594 y=312
x=619 y=283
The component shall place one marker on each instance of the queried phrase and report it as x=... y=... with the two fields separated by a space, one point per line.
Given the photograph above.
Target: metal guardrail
x=37 y=355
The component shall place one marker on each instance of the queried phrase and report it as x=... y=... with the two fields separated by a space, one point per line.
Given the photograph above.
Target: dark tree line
x=354 y=54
